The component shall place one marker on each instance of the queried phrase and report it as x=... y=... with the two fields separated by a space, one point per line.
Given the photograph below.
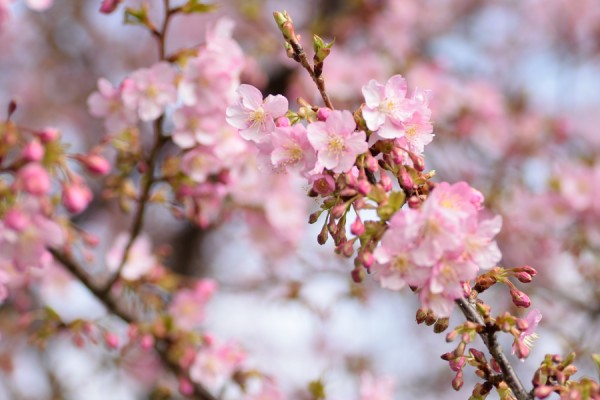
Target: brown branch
x=488 y=335
x=148 y=178
x=162 y=345
x=300 y=57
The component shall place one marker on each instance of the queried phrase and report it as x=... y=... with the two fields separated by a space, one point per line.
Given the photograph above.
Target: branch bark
x=489 y=339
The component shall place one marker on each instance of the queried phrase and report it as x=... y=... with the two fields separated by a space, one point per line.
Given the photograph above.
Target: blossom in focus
x=149 y=91
x=215 y=363
x=140 y=259
x=188 y=305
x=254 y=117
x=385 y=103
x=373 y=388
x=108 y=104
x=336 y=141
x=291 y=149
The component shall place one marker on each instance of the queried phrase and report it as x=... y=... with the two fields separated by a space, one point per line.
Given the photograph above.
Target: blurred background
x=515 y=93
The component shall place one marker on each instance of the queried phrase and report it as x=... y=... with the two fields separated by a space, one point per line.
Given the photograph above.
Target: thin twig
x=300 y=57
x=162 y=345
x=488 y=336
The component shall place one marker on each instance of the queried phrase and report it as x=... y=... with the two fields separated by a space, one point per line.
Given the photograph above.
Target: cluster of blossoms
x=436 y=244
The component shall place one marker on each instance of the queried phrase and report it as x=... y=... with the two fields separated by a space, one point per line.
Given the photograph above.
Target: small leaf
x=194 y=6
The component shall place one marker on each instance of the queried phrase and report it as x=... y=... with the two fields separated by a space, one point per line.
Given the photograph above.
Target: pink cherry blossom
x=215 y=363
x=336 y=141
x=199 y=163
x=254 y=117
x=291 y=149
x=188 y=305
x=193 y=127
x=25 y=234
x=108 y=104
x=385 y=103
x=528 y=337
x=149 y=91
x=140 y=259
x=480 y=246
x=394 y=267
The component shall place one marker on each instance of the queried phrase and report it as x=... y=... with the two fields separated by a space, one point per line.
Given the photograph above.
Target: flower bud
x=323 y=113
x=367 y=259
x=523 y=277
x=357 y=228
x=371 y=163
x=323 y=235
x=457 y=364
x=414 y=202
x=95 y=164
x=338 y=210
x=441 y=325
x=147 y=342
x=457 y=382
x=363 y=186
x=519 y=298
x=48 y=135
x=283 y=122
x=186 y=387
x=404 y=179
x=33 y=151
x=111 y=340
x=108 y=6
x=386 y=182
x=521 y=349
x=421 y=315
x=418 y=162
x=76 y=197
x=33 y=179
x=16 y=220
x=314 y=217
x=358 y=275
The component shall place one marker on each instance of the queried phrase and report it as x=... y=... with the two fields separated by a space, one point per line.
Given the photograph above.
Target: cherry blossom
x=336 y=141
x=149 y=91
x=215 y=362
x=291 y=149
x=108 y=104
x=188 y=305
x=254 y=117
x=140 y=259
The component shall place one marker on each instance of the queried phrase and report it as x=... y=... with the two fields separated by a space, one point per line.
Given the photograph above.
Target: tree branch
x=161 y=347
x=489 y=339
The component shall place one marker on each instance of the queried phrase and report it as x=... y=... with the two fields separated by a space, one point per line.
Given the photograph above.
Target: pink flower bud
x=111 y=340
x=186 y=387
x=15 y=219
x=95 y=164
x=398 y=155
x=357 y=228
x=323 y=113
x=338 y=210
x=33 y=151
x=283 y=122
x=523 y=277
x=147 y=342
x=371 y=163
x=404 y=179
x=457 y=382
x=386 y=182
x=367 y=259
x=33 y=179
x=48 y=135
x=519 y=298
x=108 y=6
x=418 y=162
x=457 y=364
x=76 y=197
x=364 y=187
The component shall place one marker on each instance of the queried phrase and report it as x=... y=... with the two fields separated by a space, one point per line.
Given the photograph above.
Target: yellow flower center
x=336 y=145
x=257 y=117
